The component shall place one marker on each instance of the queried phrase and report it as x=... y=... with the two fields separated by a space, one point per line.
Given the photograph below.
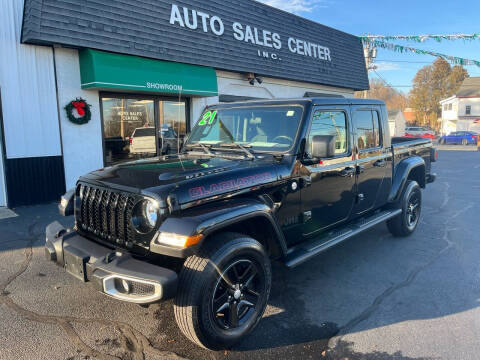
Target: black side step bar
x=306 y=251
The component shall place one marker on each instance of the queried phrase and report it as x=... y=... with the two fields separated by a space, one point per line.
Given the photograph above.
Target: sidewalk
x=27 y=224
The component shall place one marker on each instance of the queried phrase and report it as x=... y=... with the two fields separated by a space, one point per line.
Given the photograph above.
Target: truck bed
x=409 y=141
x=404 y=147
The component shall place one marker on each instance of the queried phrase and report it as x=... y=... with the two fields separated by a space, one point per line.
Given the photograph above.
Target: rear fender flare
x=402 y=173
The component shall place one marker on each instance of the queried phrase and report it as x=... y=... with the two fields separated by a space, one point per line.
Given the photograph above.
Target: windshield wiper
x=205 y=148
x=249 y=154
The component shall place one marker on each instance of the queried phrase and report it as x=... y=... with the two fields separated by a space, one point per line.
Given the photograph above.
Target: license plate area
x=75 y=263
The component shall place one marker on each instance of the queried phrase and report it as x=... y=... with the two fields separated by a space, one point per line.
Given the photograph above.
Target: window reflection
x=332 y=123
x=368 y=129
x=173 y=126
x=129 y=129
x=137 y=128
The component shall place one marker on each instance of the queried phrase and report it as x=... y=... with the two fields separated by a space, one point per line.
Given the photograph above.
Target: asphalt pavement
x=373 y=297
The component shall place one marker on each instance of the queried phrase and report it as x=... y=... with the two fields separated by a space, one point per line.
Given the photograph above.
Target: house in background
x=410 y=116
x=396 y=122
x=461 y=112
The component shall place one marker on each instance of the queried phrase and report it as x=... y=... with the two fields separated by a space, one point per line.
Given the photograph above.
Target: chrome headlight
x=145 y=216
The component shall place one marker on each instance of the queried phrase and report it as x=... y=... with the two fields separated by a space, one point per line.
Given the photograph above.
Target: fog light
x=122 y=286
x=126 y=286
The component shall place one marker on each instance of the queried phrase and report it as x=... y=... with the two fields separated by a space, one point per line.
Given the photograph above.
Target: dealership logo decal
x=234 y=184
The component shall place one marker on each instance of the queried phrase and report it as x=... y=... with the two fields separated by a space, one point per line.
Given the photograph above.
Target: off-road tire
x=400 y=225
x=199 y=279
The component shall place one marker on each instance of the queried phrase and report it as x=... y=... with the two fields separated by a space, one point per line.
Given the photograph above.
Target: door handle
x=380 y=163
x=347 y=172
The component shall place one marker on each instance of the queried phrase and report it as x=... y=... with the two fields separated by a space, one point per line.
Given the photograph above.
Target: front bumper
x=116 y=274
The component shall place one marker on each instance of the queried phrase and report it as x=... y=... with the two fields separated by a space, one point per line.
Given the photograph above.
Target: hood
x=190 y=178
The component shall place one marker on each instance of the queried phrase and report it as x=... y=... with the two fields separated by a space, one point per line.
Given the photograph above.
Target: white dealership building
x=76 y=84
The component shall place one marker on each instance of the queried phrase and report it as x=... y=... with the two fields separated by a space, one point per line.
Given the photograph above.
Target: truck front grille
x=105 y=214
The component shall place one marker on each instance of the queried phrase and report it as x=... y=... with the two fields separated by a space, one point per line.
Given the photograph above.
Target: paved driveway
x=374 y=297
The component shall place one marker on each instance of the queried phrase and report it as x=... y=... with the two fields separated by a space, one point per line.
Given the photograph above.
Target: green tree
x=431 y=84
x=458 y=74
x=421 y=94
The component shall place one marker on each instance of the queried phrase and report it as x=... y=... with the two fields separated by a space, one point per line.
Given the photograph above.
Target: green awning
x=104 y=70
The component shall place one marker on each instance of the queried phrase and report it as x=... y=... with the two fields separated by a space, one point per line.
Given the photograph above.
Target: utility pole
x=370 y=53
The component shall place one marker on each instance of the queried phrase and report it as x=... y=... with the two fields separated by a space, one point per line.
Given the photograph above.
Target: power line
x=395 y=86
x=384 y=81
x=407 y=61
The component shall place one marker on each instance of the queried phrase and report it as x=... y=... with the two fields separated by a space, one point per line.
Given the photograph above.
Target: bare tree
x=394 y=99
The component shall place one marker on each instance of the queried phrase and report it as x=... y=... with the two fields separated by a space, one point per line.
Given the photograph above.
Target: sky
x=405 y=17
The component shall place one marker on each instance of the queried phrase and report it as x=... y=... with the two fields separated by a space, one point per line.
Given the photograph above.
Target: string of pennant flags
x=382 y=43
x=422 y=38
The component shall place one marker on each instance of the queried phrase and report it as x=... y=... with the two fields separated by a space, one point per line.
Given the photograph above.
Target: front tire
x=223 y=291
x=411 y=204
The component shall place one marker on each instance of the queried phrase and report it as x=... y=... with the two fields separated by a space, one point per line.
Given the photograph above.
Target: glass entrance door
x=136 y=127
x=128 y=128
x=173 y=125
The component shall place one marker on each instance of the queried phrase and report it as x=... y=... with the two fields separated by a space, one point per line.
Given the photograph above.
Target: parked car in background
x=142 y=141
x=459 y=137
x=419 y=131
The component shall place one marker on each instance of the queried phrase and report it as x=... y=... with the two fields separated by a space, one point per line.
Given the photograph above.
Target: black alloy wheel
x=411 y=204
x=223 y=290
x=237 y=294
x=413 y=210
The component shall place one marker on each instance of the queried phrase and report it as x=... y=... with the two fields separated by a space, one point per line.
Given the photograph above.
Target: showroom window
x=136 y=127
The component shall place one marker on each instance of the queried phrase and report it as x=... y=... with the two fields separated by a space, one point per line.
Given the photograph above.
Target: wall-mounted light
x=251 y=77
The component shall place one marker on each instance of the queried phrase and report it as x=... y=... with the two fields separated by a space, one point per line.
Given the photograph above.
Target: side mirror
x=323 y=146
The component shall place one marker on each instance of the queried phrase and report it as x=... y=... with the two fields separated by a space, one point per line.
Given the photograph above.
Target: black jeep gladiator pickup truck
x=255 y=181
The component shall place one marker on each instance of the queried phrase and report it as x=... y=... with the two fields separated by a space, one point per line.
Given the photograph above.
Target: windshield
x=262 y=128
x=141 y=132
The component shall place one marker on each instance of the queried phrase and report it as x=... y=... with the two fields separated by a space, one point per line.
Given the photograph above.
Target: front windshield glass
x=262 y=128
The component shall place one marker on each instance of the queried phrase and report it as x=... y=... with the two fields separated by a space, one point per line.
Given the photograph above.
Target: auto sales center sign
x=194 y=19
x=233 y=35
